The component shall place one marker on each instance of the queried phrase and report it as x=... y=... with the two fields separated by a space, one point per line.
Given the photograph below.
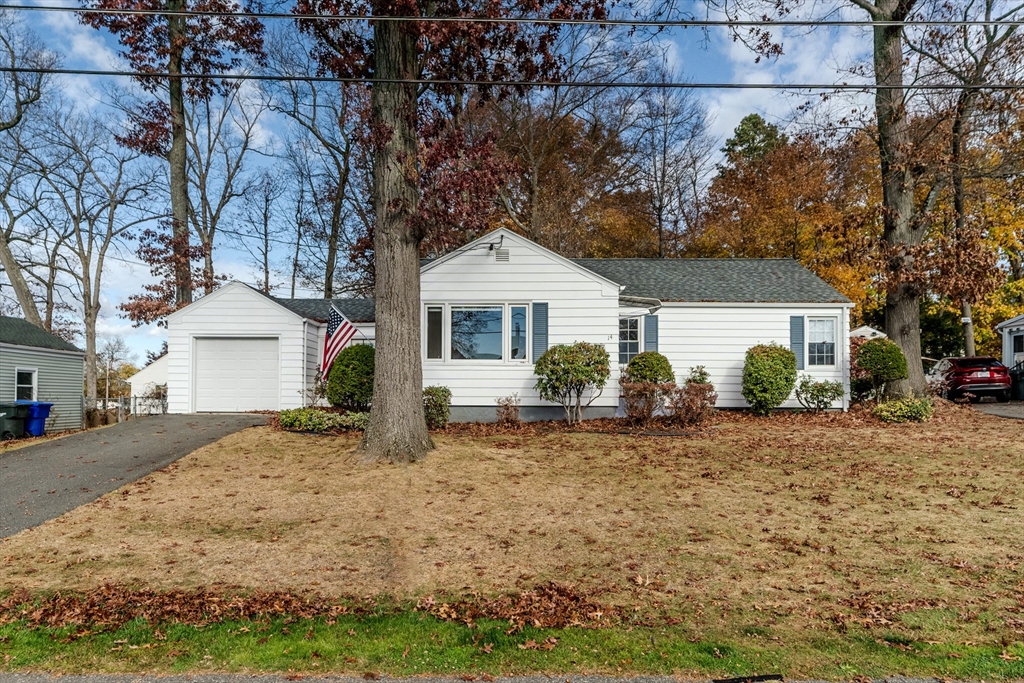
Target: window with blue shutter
x=650 y=333
x=540 y=330
x=796 y=339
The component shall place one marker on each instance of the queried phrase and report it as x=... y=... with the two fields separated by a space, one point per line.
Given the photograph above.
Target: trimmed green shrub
x=769 y=375
x=435 y=406
x=883 y=361
x=313 y=420
x=904 y=410
x=818 y=396
x=350 y=382
x=650 y=366
x=568 y=372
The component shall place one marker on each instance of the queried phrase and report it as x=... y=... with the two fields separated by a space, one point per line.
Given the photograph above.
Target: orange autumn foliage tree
x=798 y=199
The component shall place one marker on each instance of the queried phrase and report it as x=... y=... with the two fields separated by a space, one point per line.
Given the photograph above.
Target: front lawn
x=814 y=543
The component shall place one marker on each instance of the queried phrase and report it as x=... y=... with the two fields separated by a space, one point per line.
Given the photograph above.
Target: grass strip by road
x=415 y=643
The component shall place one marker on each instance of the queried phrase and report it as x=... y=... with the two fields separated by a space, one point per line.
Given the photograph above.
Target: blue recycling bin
x=38 y=411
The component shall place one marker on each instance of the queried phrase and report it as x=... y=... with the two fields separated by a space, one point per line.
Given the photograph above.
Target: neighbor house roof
x=1012 y=322
x=21 y=332
x=715 y=280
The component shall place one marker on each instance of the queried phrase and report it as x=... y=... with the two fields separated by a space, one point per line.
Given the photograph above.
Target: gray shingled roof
x=716 y=280
x=356 y=310
x=23 y=333
x=314 y=309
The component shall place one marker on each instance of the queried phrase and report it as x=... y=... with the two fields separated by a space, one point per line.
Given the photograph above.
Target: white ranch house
x=492 y=307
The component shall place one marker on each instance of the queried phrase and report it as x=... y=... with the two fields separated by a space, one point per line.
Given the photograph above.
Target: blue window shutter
x=650 y=333
x=540 y=330
x=796 y=339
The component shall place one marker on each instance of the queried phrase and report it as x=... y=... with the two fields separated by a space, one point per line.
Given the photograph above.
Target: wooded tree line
x=910 y=206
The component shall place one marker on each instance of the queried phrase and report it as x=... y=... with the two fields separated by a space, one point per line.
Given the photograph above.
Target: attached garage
x=238 y=349
x=236 y=374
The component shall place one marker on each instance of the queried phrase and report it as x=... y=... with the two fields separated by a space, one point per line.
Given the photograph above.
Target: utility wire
x=660 y=23
x=526 y=84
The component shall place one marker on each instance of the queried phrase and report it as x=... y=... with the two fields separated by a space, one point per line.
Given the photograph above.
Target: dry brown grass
x=785 y=519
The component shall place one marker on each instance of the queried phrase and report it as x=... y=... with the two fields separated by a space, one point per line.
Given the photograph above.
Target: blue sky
x=817 y=56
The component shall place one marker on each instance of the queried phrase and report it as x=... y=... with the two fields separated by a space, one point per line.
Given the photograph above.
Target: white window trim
x=807 y=341
x=639 y=335
x=35 y=382
x=506 y=332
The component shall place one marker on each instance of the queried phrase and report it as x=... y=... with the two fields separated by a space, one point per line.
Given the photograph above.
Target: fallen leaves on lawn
x=550 y=605
x=114 y=605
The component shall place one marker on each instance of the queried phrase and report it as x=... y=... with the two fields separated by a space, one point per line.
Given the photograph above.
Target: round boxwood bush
x=769 y=375
x=904 y=410
x=650 y=366
x=883 y=361
x=436 y=402
x=350 y=382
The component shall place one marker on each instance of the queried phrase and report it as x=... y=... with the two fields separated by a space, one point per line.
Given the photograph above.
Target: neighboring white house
x=1012 y=331
x=149 y=379
x=148 y=386
x=866 y=332
x=492 y=307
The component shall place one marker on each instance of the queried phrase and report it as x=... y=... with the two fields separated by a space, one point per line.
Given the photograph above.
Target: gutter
x=653 y=305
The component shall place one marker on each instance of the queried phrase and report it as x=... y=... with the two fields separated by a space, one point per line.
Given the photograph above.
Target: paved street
x=43 y=481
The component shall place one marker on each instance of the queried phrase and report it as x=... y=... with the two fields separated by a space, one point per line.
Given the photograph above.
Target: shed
x=36 y=365
x=1012 y=333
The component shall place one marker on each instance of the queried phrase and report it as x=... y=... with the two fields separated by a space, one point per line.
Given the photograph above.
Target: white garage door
x=236 y=374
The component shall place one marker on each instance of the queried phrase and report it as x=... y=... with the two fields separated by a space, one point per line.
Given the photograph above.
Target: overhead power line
x=613 y=21
x=682 y=85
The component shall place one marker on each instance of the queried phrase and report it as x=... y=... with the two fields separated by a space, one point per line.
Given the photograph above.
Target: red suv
x=977 y=375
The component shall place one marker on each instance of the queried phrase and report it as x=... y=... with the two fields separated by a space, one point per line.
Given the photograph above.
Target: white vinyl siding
x=718 y=337
x=581 y=307
x=237 y=311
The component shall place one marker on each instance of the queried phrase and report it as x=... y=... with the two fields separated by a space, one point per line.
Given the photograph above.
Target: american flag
x=339 y=333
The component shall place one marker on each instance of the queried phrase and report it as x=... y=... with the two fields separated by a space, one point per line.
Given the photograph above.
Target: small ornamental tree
x=883 y=361
x=569 y=372
x=769 y=375
x=350 y=381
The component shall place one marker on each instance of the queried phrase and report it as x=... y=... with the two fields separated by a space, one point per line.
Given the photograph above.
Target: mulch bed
x=859 y=415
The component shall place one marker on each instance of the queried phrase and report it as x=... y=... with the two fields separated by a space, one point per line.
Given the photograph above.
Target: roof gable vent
x=501 y=255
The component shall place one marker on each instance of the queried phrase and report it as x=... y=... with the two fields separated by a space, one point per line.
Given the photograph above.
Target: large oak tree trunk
x=176 y=158
x=397 y=431
x=902 y=303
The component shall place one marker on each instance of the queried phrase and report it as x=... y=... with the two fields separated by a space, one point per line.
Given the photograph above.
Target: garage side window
x=1018 y=343
x=821 y=341
x=25 y=384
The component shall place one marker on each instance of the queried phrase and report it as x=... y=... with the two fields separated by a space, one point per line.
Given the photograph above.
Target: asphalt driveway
x=1013 y=410
x=40 y=482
